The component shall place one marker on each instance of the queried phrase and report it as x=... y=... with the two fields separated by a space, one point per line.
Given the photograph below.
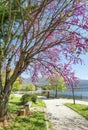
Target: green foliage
x=13 y=105
x=50 y=124
x=13 y=9
x=28 y=97
x=30 y=87
x=4 y=12
x=59 y=84
x=48 y=87
x=34 y=122
x=14 y=99
x=25 y=98
x=33 y=98
x=9 y=9
x=17 y=85
x=11 y=95
x=80 y=108
x=44 y=94
x=39 y=103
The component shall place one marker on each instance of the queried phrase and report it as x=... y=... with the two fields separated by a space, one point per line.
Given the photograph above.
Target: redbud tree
x=42 y=37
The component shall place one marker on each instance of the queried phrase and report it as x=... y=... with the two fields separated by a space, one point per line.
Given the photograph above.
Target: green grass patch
x=79 y=108
x=36 y=121
x=39 y=103
x=13 y=105
x=50 y=124
x=33 y=122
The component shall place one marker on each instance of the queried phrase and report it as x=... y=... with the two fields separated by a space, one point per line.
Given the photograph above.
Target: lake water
x=79 y=94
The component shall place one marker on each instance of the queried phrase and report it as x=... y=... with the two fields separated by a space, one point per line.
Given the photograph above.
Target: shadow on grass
x=34 y=122
x=16 y=103
x=85 y=109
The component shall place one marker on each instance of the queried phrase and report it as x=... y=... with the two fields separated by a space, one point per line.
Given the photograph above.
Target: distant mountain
x=43 y=81
x=40 y=82
x=83 y=83
x=26 y=81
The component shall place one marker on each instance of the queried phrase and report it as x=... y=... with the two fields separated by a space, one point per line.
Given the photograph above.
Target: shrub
x=34 y=98
x=12 y=95
x=28 y=97
x=25 y=98
x=30 y=87
x=16 y=86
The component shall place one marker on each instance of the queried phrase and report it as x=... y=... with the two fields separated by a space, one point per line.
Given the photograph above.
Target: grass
x=50 y=124
x=39 y=103
x=79 y=108
x=15 y=102
x=13 y=105
x=36 y=121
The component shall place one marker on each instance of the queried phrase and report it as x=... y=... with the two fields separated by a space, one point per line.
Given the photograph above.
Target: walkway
x=62 y=117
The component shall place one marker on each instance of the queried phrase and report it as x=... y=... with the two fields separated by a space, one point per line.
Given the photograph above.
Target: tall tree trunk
x=5 y=93
x=3 y=107
x=4 y=97
x=73 y=95
x=56 y=92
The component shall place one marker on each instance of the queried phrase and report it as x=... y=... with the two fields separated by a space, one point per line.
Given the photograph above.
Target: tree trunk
x=4 y=95
x=3 y=108
x=73 y=95
x=72 y=87
x=56 y=92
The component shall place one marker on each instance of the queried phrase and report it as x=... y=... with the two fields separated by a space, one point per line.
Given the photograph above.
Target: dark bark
x=4 y=95
x=56 y=92
x=73 y=95
x=72 y=86
x=3 y=107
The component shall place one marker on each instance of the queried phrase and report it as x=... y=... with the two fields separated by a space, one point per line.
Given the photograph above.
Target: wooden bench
x=26 y=109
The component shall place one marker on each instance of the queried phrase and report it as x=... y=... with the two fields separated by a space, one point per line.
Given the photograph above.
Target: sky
x=81 y=71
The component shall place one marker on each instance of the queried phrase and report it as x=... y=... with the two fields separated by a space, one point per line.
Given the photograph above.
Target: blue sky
x=81 y=71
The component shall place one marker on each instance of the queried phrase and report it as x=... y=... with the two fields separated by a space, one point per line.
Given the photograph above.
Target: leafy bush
x=17 y=86
x=34 y=98
x=25 y=98
x=30 y=87
x=28 y=97
x=12 y=95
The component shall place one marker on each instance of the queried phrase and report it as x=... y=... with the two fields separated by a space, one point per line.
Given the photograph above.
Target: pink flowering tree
x=40 y=36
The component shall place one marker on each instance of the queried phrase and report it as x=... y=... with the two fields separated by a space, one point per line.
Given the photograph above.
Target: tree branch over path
x=37 y=35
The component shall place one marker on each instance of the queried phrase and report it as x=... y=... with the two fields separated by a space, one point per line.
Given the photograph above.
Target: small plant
x=25 y=98
x=34 y=98
x=28 y=97
x=12 y=95
x=50 y=124
x=30 y=87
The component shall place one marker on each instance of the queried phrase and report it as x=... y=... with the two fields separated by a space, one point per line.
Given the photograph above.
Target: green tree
x=59 y=85
x=17 y=86
x=30 y=87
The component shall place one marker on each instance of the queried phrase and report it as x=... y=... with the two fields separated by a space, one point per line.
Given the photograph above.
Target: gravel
x=64 y=118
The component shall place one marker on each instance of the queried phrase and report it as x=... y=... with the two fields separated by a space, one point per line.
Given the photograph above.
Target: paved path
x=62 y=117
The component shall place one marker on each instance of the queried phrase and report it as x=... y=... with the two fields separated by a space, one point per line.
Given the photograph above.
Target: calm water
x=81 y=91
x=79 y=94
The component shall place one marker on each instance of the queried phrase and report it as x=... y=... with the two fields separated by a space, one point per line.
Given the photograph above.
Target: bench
x=26 y=109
